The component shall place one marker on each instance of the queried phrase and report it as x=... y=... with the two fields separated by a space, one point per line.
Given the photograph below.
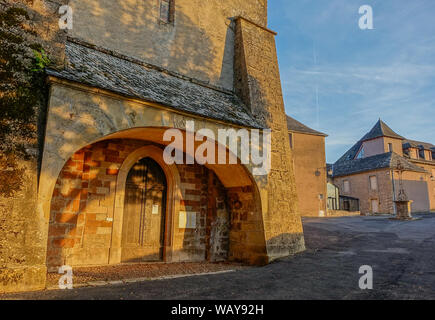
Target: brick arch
x=244 y=201
x=58 y=152
x=173 y=199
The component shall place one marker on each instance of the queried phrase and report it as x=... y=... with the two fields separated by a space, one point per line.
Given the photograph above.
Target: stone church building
x=97 y=191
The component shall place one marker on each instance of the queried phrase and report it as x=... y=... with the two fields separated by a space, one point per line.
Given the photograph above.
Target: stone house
x=369 y=171
x=309 y=161
x=96 y=189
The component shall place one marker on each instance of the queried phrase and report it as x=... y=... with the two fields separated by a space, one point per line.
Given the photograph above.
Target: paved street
x=402 y=255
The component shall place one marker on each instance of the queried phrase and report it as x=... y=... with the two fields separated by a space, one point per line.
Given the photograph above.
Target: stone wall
x=247 y=242
x=360 y=189
x=430 y=181
x=258 y=83
x=198 y=44
x=83 y=202
x=218 y=221
x=396 y=143
x=417 y=188
x=416 y=185
x=190 y=244
x=27 y=28
x=341 y=213
x=82 y=209
x=309 y=158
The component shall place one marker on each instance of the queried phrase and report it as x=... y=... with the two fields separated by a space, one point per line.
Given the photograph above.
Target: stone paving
x=134 y=272
x=402 y=255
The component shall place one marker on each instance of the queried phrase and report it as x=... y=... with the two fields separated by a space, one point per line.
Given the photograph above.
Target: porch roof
x=103 y=69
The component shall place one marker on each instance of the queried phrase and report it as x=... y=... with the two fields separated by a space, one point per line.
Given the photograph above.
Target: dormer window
x=360 y=154
x=413 y=153
x=421 y=154
x=167 y=11
x=390 y=147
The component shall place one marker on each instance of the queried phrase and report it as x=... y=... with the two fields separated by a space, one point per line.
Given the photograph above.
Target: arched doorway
x=210 y=212
x=144 y=213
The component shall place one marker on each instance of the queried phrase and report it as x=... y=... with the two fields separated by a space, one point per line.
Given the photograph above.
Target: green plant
x=41 y=61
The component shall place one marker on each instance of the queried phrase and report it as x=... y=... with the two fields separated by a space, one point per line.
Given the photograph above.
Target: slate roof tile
x=103 y=70
x=294 y=125
x=385 y=160
x=381 y=129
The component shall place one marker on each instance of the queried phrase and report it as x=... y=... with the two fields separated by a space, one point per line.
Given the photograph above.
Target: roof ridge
x=297 y=126
x=381 y=129
x=417 y=142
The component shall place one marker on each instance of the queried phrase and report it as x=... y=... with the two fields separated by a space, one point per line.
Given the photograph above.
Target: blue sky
x=340 y=79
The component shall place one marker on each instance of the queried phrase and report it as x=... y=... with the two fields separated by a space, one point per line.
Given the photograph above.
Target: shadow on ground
x=402 y=255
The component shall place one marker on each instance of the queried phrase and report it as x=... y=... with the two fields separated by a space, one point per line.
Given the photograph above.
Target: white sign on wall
x=187 y=220
x=155 y=209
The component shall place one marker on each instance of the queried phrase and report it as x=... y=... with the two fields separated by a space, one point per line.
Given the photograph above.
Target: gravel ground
x=140 y=270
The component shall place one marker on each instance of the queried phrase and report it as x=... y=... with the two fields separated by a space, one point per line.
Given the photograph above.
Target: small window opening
x=167 y=11
x=346 y=186
x=421 y=154
x=361 y=153
x=373 y=183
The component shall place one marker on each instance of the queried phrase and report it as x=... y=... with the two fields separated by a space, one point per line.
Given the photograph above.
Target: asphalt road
x=401 y=254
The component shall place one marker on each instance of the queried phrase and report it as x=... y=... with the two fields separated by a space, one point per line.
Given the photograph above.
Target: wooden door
x=144 y=213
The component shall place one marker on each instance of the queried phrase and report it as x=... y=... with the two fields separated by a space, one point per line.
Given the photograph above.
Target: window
x=421 y=153
x=360 y=154
x=291 y=140
x=373 y=183
x=390 y=147
x=346 y=186
x=167 y=11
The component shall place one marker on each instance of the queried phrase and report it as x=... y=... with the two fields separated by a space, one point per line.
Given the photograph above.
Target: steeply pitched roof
x=102 y=69
x=418 y=144
x=294 y=125
x=347 y=164
x=380 y=161
x=381 y=130
x=351 y=153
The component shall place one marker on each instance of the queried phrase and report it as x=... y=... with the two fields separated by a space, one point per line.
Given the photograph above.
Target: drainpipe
x=394 y=192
